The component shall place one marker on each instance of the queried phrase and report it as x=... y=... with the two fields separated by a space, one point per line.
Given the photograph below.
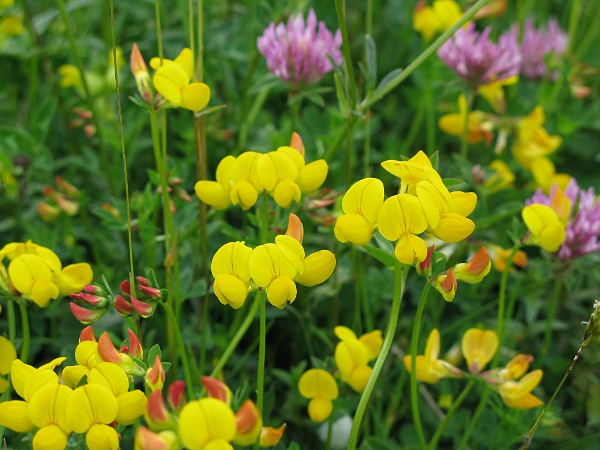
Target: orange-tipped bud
x=446 y=285
x=157 y=413
x=296 y=142
x=123 y=306
x=295 y=228
x=135 y=346
x=140 y=72
x=144 y=309
x=176 y=394
x=476 y=269
x=217 y=389
x=87 y=334
x=249 y=423
x=84 y=315
x=47 y=212
x=109 y=353
x=269 y=436
x=155 y=376
x=67 y=188
x=424 y=267
x=149 y=440
x=493 y=9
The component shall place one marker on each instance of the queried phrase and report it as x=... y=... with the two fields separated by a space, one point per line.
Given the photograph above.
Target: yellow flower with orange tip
x=478 y=348
x=446 y=285
x=475 y=269
x=516 y=367
x=546 y=229
x=401 y=218
x=352 y=355
x=517 y=394
x=270 y=437
x=479 y=127
x=36 y=272
x=8 y=354
x=248 y=423
x=231 y=270
x=361 y=205
x=545 y=176
x=500 y=257
x=207 y=424
x=172 y=81
x=148 y=440
x=533 y=141
x=320 y=387
x=431 y=369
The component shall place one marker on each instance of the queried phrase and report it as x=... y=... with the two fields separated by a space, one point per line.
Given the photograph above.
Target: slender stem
x=574 y=24
x=190 y=24
x=88 y=94
x=400 y=272
x=329 y=432
x=12 y=321
x=241 y=331
x=455 y=405
x=502 y=298
x=158 y=30
x=379 y=93
x=187 y=374
x=123 y=154
x=430 y=107
x=340 y=8
x=480 y=407
x=464 y=144
x=262 y=344
x=26 y=333
x=200 y=55
x=414 y=397
x=556 y=293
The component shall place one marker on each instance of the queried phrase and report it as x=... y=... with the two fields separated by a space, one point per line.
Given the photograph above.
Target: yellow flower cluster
x=430 y=20
x=353 y=354
x=273 y=267
x=423 y=204
x=282 y=173
x=547 y=223
x=36 y=273
x=478 y=348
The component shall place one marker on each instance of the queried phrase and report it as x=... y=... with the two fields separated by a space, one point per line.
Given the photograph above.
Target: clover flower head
x=300 y=52
x=477 y=60
x=540 y=45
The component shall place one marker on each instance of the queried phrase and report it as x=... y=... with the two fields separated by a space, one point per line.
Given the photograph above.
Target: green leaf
x=152 y=353
x=381 y=255
x=388 y=78
x=371 y=61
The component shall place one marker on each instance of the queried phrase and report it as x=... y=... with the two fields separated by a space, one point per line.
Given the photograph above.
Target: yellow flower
x=70 y=76
x=361 y=205
x=401 y=219
x=478 y=348
x=475 y=269
x=545 y=176
x=500 y=256
x=430 y=20
x=7 y=355
x=231 y=270
x=11 y=26
x=479 y=127
x=546 y=229
x=270 y=437
x=502 y=177
x=430 y=369
x=208 y=424
x=37 y=273
x=533 y=140
x=48 y=411
x=172 y=81
x=410 y=172
x=352 y=356
x=517 y=394
x=320 y=387
x=494 y=93
x=516 y=367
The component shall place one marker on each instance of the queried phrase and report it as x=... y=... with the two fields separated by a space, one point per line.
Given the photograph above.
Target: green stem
x=340 y=8
x=379 y=93
x=262 y=344
x=414 y=397
x=478 y=411
x=158 y=30
x=455 y=405
x=556 y=293
x=430 y=116
x=464 y=144
x=182 y=351
x=123 y=154
x=12 y=321
x=241 y=331
x=90 y=101
x=329 y=432
x=26 y=333
x=400 y=272
x=502 y=298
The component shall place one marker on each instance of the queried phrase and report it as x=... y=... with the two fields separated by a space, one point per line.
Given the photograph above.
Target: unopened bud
x=476 y=269
x=249 y=424
x=446 y=285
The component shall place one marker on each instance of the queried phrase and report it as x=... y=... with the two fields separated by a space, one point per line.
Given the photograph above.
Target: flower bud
x=476 y=269
x=135 y=346
x=248 y=423
x=424 y=267
x=144 y=309
x=217 y=389
x=176 y=394
x=87 y=334
x=123 y=306
x=446 y=285
x=270 y=437
x=140 y=72
x=155 y=376
x=86 y=316
x=157 y=415
x=295 y=228
x=148 y=440
x=47 y=212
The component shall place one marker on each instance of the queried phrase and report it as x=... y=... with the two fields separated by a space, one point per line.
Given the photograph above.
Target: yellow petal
x=267 y=262
x=38 y=380
x=7 y=355
x=312 y=176
x=195 y=96
x=19 y=375
x=91 y=404
x=281 y=290
x=319 y=409
x=432 y=349
x=400 y=214
x=185 y=60
x=213 y=194
x=410 y=247
x=111 y=376
x=349 y=354
x=14 y=415
x=478 y=347
x=552 y=237
x=292 y=250
x=169 y=81
x=364 y=197
x=73 y=278
x=359 y=378
x=353 y=228
x=318 y=383
x=102 y=437
x=245 y=194
x=132 y=405
x=373 y=342
x=462 y=203
x=286 y=192
x=49 y=406
x=318 y=267
x=26 y=270
x=204 y=420
x=72 y=375
x=453 y=228
x=230 y=290
x=344 y=333
x=50 y=437
x=42 y=291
